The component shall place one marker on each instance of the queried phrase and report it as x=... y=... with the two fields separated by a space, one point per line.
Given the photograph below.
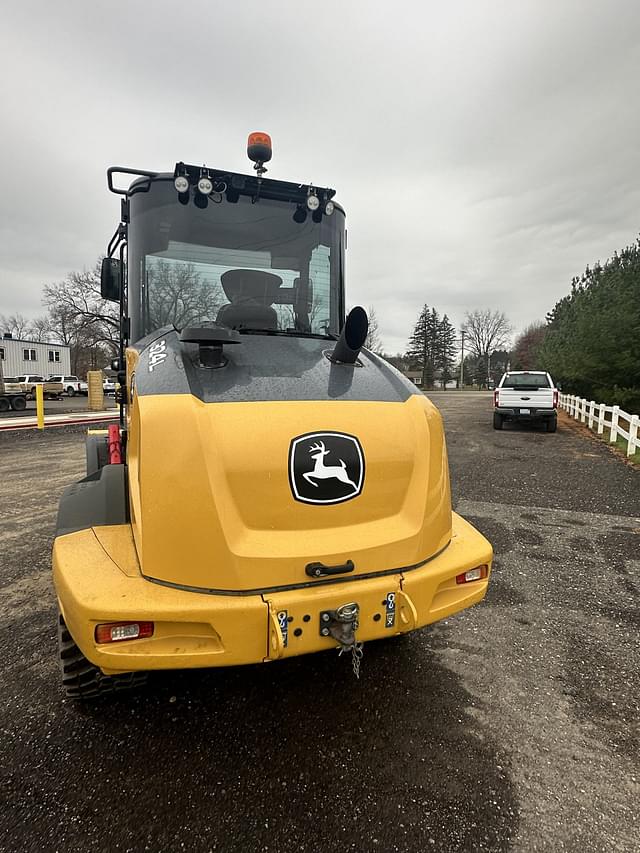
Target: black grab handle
x=319 y=570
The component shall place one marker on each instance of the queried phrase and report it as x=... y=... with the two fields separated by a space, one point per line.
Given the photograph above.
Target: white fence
x=595 y=414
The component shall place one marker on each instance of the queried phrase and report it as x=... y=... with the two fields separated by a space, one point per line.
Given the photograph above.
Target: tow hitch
x=342 y=624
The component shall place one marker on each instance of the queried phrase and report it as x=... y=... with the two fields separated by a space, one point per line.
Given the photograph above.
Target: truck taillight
x=476 y=574
x=115 y=632
x=555 y=398
x=495 y=397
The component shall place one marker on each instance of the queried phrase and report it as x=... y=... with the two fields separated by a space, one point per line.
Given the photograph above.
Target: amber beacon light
x=259 y=147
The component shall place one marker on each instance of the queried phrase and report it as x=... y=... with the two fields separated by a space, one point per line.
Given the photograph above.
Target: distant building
x=415 y=376
x=22 y=357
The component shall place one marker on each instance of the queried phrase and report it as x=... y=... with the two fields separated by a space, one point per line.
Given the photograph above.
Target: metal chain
x=356 y=656
x=357 y=652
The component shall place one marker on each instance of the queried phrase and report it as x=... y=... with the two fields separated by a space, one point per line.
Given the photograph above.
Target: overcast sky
x=485 y=152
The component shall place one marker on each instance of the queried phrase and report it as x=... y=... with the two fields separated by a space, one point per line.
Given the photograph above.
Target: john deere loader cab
x=273 y=488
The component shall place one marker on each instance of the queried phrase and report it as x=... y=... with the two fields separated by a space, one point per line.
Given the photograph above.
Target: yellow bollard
x=40 y=405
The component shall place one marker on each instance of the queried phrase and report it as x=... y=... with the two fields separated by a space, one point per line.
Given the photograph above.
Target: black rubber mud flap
x=97 y=451
x=83 y=680
x=99 y=499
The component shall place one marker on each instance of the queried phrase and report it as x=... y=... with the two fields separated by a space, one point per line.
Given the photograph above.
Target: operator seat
x=251 y=294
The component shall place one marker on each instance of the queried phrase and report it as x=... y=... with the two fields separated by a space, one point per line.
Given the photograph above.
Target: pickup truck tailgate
x=517 y=398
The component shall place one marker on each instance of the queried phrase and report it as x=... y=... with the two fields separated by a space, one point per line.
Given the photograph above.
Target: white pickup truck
x=72 y=385
x=526 y=395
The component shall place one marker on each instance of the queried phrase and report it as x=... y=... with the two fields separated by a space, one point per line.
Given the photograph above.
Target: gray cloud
x=485 y=152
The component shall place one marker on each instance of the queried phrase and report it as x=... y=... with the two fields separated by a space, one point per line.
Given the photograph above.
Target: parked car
x=108 y=385
x=51 y=390
x=526 y=395
x=72 y=384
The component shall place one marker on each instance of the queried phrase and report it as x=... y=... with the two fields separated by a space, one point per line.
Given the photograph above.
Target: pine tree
x=432 y=336
x=446 y=350
x=417 y=350
x=423 y=345
x=592 y=337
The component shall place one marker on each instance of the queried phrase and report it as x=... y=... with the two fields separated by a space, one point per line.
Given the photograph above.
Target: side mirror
x=111 y=279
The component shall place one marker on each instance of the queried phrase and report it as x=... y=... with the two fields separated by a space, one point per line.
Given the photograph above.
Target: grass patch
x=621 y=444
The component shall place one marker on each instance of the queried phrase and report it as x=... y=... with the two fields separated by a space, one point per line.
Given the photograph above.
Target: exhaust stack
x=352 y=337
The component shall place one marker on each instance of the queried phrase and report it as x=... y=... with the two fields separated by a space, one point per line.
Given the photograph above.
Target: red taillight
x=476 y=574
x=495 y=397
x=555 y=398
x=116 y=632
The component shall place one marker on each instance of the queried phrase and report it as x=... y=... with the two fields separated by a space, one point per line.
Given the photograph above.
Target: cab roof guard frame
x=124 y=170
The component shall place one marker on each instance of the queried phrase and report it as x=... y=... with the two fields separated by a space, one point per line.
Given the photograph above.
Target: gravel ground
x=513 y=726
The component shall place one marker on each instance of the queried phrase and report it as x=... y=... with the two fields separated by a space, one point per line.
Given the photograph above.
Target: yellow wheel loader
x=273 y=489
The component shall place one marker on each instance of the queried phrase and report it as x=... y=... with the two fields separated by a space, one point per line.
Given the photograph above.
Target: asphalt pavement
x=511 y=726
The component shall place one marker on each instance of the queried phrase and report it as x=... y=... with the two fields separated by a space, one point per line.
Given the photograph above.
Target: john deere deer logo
x=326 y=472
x=326 y=467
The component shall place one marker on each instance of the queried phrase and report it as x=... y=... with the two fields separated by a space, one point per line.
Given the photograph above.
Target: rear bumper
x=532 y=414
x=200 y=630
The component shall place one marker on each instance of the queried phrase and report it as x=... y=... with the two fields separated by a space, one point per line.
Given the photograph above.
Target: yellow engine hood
x=212 y=503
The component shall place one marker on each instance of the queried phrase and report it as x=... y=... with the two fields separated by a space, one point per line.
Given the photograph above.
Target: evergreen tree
x=592 y=341
x=418 y=349
x=433 y=331
x=446 y=350
x=499 y=363
x=423 y=345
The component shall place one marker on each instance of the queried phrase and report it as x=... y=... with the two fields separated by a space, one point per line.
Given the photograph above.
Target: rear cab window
x=530 y=381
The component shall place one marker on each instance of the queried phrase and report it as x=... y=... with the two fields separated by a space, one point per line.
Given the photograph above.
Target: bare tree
x=80 y=318
x=178 y=295
x=77 y=311
x=486 y=331
x=29 y=330
x=16 y=324
x=527 y=345
x=373 y=341
x=40 y=329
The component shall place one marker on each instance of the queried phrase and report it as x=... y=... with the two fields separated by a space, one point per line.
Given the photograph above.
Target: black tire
x=83 y=680
x=70 y=391
x=18 y=404
x=497 y=420
x=5 y=405
x=97 y=451
x=552 y=424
